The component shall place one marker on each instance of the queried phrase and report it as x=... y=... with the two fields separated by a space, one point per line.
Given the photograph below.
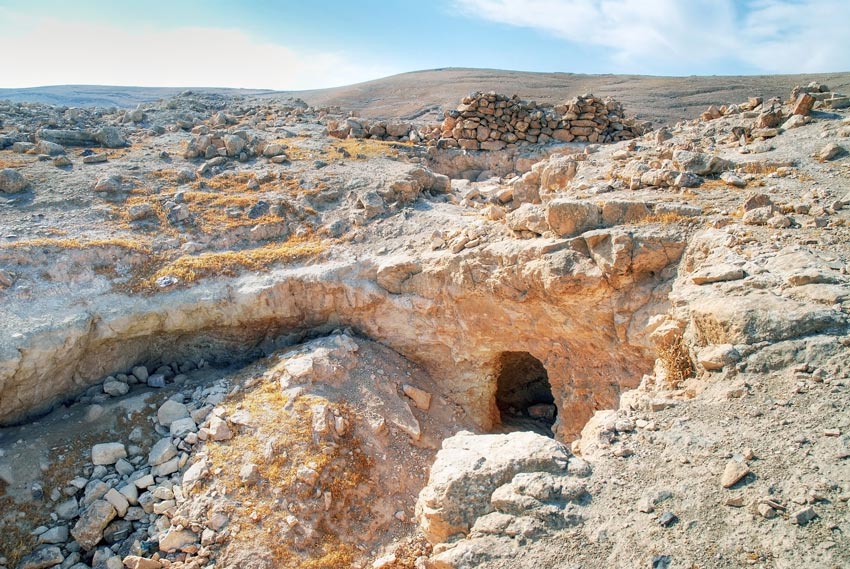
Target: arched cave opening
x=523 y=394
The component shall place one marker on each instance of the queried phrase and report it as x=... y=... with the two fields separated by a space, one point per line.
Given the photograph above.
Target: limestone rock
x=162 y=452
x=171 y=411
x=107 y=453
x=717 y=274
x=233 y=144
x=528 y=217
x=700 y=164
x=394 y=271
x=111 y=183
x=136 y=562
x=41 y=558
x=420 y=398
x=714 y=358
x=49 y=148
x=568 y=218
x=89 y=528
x=803 y=105
x=469 y=468
x=735 y=470
x=12 y=181
x=110 y=137
x=176 y=539
x=118 y=501
x=830 y=152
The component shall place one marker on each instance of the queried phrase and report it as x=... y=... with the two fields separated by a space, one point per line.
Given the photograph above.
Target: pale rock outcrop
x=470 y=468
x=548 y=282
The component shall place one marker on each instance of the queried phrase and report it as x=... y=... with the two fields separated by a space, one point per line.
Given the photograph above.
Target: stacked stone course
x=490 y=121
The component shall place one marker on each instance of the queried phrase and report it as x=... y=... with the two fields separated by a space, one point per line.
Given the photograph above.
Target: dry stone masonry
x=490 y=121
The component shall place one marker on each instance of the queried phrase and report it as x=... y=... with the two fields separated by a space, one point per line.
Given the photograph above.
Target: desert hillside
x=527 y=328
x=424 y=95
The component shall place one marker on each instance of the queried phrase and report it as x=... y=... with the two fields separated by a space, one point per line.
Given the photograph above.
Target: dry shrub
x=676 y=362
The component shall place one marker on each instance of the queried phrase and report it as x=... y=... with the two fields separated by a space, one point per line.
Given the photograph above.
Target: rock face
x=552 y=287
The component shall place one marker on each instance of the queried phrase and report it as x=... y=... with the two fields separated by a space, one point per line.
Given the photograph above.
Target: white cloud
x=646 y=36
x=52 y=52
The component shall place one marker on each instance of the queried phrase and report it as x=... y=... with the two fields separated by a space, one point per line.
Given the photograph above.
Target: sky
x=310 y=44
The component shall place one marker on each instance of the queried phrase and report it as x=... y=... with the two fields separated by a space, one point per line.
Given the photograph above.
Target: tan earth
x=255 y=331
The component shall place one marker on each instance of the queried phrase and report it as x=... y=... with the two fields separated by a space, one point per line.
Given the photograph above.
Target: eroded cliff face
x=579 y=309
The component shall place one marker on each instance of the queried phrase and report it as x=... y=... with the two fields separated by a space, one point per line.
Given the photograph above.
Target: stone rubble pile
x=122 y=507
x=770 y=114
x=490 y=121
x=356 y=127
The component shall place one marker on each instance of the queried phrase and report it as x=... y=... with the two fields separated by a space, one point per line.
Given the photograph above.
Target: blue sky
x=289 y=44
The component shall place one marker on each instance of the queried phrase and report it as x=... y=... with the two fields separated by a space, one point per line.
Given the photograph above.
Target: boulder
x=176 y=539
x=12 y=181
x=107 y=453
x=47 y=556
x=89 y=528
x=468 y=470
x=699 y=163
x=49 y=148
x=109 y=184
x=528 y=217
x=233 y=144
x=171 y=411
x=110 y=137
x=568 y=218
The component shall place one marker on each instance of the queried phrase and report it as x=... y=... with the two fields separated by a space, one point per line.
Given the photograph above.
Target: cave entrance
x=523 y=394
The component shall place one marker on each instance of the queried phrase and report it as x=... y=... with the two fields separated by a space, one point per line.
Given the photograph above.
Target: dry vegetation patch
x=272 y=512
x=188 y=269
x=130 y=244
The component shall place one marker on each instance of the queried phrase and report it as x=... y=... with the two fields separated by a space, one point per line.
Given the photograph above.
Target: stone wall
x=489 y=121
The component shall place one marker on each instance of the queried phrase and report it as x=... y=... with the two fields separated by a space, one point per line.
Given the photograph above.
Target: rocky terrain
x=253 y=331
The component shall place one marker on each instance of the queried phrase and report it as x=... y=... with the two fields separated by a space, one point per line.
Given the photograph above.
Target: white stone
x=107 y=453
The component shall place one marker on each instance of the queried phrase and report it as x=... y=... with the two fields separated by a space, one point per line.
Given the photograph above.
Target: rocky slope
x=254 y=340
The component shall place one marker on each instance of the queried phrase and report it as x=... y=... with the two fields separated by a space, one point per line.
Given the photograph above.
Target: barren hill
x=425 y=94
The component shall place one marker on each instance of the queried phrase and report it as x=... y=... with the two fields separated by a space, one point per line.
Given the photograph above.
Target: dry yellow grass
x=80 y=243
x=667 y=218
x=10 y=162
x=189 y=269
x=226 y=182
x=356 y=148
x=367 y=148
x=716 y=184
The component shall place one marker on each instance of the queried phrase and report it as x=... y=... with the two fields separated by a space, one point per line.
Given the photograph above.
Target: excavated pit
x=580 y=308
